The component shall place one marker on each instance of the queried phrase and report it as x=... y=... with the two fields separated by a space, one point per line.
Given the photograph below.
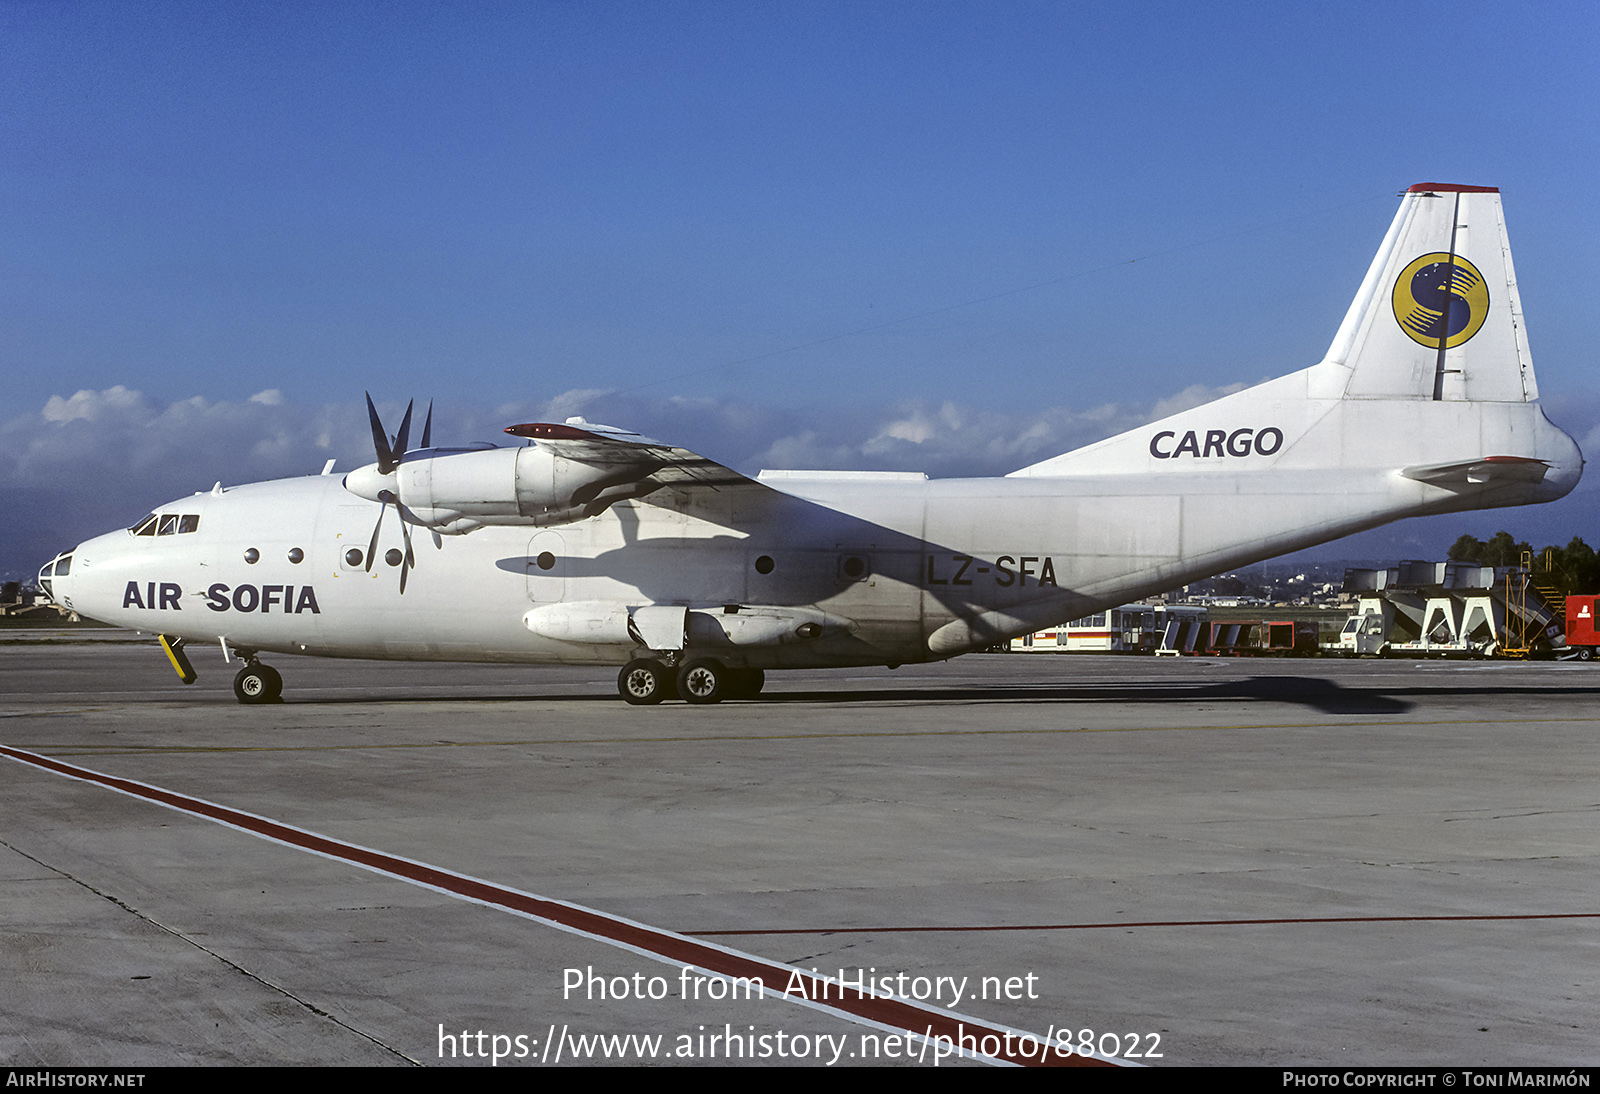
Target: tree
x=1466 y=549
x=1501 y=550
x=1573 y=569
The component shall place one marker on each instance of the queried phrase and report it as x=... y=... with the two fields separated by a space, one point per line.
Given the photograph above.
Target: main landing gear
x=258 y=683
x=646 y=681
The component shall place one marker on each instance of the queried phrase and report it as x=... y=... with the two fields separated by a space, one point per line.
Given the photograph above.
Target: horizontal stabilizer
x=1485 y=471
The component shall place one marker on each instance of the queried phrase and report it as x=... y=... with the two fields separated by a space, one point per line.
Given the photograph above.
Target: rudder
x=1438 y=316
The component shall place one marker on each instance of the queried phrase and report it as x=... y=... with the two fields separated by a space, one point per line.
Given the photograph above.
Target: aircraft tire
x=258 y=684
x=703 y=682
x=745 y=683
x=643 y=682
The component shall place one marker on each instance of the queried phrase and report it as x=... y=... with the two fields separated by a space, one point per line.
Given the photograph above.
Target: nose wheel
x=258 y=683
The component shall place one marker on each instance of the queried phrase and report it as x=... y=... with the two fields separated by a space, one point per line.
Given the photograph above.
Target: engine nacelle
x=457 y=490
x=668 y=627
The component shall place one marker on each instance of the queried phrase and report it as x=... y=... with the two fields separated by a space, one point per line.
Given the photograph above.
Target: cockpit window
x=59 y=566
x=167 y=524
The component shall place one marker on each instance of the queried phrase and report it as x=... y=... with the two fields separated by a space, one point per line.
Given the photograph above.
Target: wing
x=621 y=450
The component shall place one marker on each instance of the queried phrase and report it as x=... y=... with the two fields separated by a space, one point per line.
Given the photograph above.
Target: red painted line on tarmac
x=925 y=1024
x=1163 y=923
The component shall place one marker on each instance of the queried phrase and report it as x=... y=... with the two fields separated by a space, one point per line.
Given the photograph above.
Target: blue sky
x=868 y=235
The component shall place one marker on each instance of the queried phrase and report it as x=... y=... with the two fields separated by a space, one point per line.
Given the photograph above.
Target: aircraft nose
x=57 y=568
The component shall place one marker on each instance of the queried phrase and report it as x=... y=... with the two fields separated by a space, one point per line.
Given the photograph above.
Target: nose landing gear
x=258 y=683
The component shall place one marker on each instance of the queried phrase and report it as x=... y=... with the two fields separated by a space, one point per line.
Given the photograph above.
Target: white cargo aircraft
x=594 y=545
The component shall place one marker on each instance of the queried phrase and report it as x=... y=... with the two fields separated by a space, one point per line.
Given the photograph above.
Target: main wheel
x=257 y=684
x=1585 y=653
x=703 y=681
x=643 y=682
x=744 y=683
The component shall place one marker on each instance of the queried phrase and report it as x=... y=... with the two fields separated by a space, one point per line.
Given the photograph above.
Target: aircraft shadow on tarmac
x=1325 y=696
x=1322 y=695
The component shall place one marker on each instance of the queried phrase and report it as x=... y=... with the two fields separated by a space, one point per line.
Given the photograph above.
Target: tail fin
x=1438 y=316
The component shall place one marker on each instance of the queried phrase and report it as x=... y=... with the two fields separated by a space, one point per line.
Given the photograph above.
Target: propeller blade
x=405 y=432
x=387 y=459
x=372 y=548
x=408 y=561
x=427 y=427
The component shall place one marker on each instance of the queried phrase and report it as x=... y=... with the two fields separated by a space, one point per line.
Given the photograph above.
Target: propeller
x=390 y=454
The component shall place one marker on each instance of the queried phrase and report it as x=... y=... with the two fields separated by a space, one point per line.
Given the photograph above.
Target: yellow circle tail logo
x=1440 y=297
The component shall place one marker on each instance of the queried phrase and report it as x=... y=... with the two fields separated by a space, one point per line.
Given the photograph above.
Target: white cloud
x=1591 y=440
x=1191 y=397
x=808 y=451
x=915 y=429
x=571 y=403
x=93 y=405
